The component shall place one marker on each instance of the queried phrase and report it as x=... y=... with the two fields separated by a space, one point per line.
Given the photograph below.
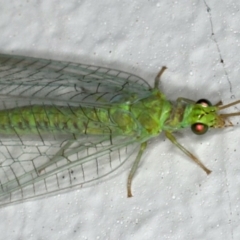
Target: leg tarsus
x=157 y=78
x=134 y=168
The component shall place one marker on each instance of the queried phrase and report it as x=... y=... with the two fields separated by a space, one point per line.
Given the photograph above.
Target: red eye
x=204 y=102
x=199 y=128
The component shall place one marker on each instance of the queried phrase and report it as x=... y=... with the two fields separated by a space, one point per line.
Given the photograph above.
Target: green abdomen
x=58 y=119
x=45 y=119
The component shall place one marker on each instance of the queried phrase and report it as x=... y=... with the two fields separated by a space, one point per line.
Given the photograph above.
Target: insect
x=64 y=124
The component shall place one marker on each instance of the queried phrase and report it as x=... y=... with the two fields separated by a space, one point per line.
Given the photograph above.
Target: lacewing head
x=204 y=115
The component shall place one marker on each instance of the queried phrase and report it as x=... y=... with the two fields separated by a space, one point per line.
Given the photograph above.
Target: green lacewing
x=65 y=124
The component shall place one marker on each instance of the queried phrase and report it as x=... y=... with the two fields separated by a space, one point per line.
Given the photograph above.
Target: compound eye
x=199 y=128
x=204 y=102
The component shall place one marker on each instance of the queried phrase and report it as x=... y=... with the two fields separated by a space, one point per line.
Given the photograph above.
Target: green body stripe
x=144 y=118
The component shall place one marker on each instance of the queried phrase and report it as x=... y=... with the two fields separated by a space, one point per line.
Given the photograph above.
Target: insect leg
x=157 y=78
x=134 y=168
x=196 y=160
x=186 y=100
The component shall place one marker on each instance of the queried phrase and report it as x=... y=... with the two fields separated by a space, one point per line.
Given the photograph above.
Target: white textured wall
x=173 y=198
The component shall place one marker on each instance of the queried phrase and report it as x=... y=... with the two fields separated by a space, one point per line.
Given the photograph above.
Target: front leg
x=189 y=154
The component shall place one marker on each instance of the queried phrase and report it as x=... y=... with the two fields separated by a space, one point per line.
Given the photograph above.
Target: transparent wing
x=40 y=164
x=36 y=80
x=36 y=169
